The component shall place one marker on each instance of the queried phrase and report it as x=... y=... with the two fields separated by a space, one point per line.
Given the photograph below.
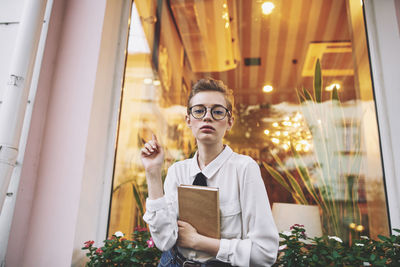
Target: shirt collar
x=213 y=166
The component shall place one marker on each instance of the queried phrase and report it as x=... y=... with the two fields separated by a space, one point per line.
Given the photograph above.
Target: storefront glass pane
x=316 y=145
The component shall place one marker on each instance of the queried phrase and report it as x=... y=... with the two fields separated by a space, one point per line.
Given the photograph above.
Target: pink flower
x=150 y=243
x=99 y=251
x=89 y=243
x=140 y=229
x=296 y=225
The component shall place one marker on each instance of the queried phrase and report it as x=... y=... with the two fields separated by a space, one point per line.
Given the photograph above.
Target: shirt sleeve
x=161 y=214
x=259 y=246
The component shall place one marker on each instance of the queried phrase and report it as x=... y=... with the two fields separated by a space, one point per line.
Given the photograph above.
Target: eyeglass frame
x=228 y=112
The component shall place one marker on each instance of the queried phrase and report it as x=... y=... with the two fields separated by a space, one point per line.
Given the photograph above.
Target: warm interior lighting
x=156 y=82
x=303 y=142
x=267 y=88
x=360 y=228
x=333 y=85
x=275 y=140
x=285 y=146
x=352 y=225
x=266 y=132
x=306 y=148
x=267 y=8
x=275 y=124
x=148 y=81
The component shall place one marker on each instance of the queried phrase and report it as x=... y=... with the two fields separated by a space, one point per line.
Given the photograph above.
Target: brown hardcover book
x=199 y=206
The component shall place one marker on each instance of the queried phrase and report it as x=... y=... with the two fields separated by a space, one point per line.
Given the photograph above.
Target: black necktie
x=200 y=179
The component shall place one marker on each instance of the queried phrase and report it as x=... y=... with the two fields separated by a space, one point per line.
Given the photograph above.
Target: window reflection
x=324 y=152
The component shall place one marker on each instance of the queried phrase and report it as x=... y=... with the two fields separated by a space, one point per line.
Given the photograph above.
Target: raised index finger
x=155 y=140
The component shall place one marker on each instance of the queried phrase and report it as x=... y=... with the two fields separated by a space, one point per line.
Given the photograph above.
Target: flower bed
x=120 y=251
x=297 y=250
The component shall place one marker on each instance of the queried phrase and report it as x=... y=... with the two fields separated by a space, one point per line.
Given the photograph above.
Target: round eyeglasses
x=218 y=112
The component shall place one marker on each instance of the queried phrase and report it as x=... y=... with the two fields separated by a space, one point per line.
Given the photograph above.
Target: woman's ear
x=187 y=119
x=231 y=120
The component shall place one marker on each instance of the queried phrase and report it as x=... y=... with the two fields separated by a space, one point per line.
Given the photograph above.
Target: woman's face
x=208 y=130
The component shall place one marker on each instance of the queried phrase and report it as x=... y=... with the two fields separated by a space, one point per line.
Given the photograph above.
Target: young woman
x=248 y=233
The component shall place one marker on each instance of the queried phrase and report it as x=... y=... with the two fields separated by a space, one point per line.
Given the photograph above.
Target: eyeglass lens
x=217 y=112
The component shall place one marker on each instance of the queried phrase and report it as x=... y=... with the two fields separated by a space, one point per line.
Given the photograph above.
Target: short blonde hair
x=210 y=84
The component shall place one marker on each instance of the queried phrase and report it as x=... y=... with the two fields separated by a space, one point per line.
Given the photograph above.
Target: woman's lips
x=207 y=128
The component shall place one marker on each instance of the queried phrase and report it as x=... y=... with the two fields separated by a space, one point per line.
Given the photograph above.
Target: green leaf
x=335 y=254
x=307 y=95
x=298 y=191
x=304 y=175
x=136 y=194
x=317 y=82
x=277 y=176
x=335 y=95
x=301 y=96
x=372 y=257
x=384 y=238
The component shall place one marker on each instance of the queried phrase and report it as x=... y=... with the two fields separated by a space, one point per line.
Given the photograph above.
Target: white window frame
x=383 y=32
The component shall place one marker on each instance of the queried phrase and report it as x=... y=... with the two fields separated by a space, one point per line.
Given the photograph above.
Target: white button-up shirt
x=248 y=233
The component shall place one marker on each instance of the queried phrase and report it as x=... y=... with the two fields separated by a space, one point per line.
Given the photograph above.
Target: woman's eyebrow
x=211 y=105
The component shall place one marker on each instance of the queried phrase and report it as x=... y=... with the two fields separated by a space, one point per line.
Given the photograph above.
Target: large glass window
x=314 y=133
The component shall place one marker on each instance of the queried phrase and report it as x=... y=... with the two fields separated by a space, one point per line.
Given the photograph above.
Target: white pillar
x=16 y=93
x=7 y=212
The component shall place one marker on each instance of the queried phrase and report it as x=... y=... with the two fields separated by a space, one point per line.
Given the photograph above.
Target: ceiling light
x=268 y=88
x=267 y=8
x=266 y=132
x=156 y=82
x=333 y=85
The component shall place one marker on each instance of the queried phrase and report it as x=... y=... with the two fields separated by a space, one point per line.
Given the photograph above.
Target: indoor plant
x=332 y=181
